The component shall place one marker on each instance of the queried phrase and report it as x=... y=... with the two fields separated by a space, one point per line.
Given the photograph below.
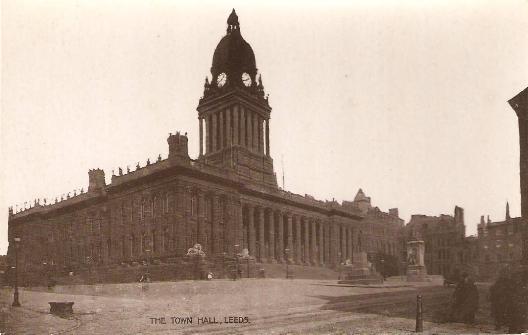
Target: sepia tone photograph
x=264 y=167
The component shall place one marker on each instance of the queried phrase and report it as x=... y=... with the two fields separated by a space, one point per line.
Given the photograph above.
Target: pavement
x=249 y=306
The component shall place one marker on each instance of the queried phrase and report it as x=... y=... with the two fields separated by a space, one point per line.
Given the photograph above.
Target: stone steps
x=298 y=271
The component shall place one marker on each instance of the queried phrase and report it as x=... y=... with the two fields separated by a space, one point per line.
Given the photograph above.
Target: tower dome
x=233 y=56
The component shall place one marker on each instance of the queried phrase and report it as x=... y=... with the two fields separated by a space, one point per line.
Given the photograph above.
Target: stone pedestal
x=416 y=270
x=359 y=271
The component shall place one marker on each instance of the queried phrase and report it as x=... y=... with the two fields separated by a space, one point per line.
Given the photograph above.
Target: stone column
x=290 y=238
x=262 y=243
x=313 y=243
x=271 y=223
x=239 y=228
x=242 y=134
x=255 y=132
x=215 y=223
x=334 y=246
x=201 y=136
x=261 y=134
x=215 y=137
x=200 y=229
x=306 y=241
x=222 y=129
x=235 y=125
x=320 y=244
x=326 y=230
x=229 y=138
x=343 y=244
x=350 y=244
x=280 y=237
x=251 y=227
x=208 y=134
x=267 y=138
x=298 y=238
x=248 y=126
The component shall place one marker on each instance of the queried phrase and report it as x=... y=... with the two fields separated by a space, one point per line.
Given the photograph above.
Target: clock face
x=246 y=79
x=221 y=79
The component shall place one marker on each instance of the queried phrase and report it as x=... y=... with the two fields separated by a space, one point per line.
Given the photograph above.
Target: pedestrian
x=517 y=308
x=500 y=296
x=459 y=298
x=471 y=303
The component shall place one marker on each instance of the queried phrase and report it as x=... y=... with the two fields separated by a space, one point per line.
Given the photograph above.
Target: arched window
x=123 y=212
x=132 y=245
x=123 y=247
x=142 y=210
x=109 y=247
x=166 y=240
x=155 y=206
x=209 y=208
x=194 y=205
x=166 y=203
x=144 y=242
x=154 y=242
x=223 y=210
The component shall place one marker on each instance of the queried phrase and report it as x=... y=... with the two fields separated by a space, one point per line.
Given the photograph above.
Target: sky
x=406 y=100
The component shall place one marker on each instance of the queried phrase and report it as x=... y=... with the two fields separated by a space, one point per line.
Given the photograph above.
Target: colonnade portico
x=281 y=235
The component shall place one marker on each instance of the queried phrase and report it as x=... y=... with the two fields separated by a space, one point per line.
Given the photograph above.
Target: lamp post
x=16 y=303
x=287 y=251
x=147 y=251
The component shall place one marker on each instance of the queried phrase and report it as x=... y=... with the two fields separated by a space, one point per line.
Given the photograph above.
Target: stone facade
x=381 y=232
x=444 y=238
x=499 y=245
x=227 y=199
x=520 y=104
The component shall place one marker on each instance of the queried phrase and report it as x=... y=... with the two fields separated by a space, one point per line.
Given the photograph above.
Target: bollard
x=419 y=316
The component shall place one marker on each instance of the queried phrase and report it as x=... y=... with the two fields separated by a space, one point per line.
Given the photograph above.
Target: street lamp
x=287 y=251
x=16 y=303
x=147 y=251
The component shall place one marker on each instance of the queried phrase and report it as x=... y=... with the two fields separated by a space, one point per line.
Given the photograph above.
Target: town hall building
x=227 y=199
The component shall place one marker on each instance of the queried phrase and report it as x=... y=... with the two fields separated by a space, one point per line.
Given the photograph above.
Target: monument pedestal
x=359 y=271
x=416 y=271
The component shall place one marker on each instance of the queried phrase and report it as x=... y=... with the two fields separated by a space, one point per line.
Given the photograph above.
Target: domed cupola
x=233 y=62
x=234 y=112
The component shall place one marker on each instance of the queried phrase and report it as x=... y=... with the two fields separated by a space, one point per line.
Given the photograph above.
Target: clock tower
x=234 y=112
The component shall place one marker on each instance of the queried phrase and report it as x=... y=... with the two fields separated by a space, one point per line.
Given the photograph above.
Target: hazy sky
x=404 y=99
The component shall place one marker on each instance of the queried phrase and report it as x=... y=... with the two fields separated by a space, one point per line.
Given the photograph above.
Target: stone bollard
x=419 y=316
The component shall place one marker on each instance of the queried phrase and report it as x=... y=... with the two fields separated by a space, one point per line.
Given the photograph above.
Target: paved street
x=265 y=306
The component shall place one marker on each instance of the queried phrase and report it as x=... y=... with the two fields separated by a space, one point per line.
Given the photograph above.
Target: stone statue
x=411 y=258
x=196 y=250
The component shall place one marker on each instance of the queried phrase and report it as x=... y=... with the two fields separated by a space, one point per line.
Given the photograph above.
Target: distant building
x=499 y=244
x=382 y=232
x=444 y=237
